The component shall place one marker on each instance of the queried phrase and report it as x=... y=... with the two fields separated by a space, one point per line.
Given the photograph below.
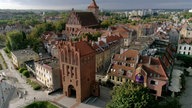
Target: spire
x=93 y=5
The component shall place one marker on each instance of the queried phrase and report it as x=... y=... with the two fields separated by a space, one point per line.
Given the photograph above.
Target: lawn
x=43 y=104
x=1 y=67
x=33 y=84
x=1 y=57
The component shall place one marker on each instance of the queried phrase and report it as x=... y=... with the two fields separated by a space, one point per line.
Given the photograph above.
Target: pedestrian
x=34 y=98
x=17 y=93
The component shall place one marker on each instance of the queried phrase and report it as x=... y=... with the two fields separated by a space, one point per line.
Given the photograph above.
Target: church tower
x=94 y=8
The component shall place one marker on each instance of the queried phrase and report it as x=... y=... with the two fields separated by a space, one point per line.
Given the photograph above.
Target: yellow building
x=106 y=47
x=19 y=57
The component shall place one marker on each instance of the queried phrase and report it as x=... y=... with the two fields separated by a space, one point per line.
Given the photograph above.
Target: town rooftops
x=153 y=67
x=185 y=41
x=141 y=43
x=84 y=48
x=24 y=53
x=128 y=55
x=86 y=19
x=49 y=63
x=126 y=64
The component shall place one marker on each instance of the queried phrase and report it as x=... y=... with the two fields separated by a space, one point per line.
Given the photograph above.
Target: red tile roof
x=84 y=48
x=113 y=38
x=186 y=40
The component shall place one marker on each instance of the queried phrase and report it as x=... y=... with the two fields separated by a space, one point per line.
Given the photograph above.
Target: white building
x=185 y=49
x=190 y=10
x=48 y=73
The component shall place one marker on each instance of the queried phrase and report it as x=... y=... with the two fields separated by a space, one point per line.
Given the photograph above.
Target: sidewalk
x=21 y=86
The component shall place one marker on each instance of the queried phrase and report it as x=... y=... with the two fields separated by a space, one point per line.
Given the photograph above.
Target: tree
x=21 y=70
x=59 y=26
x=16 y=40
x=26 y=73
x=2 y=39
x=130 y=95
x=105 y=23
x=92 y=37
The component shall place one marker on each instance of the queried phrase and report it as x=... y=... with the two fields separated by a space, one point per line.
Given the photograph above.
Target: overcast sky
x=103 y=4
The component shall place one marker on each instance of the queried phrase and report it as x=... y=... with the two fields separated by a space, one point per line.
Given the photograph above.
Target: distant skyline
x=103 y=4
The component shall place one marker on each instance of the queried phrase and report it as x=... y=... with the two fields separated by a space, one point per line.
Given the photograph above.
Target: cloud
x=104 y=4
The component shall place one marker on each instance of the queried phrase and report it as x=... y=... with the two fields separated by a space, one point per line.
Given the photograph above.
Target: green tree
x=2 y=39
x=21 y=70
x=26 y=73
x=92 y=37
x=59 y=26
x=130 y=95
x=16 y=40
x=105 y=23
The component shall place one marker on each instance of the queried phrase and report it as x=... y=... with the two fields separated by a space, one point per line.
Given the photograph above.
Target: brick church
x=80 y=20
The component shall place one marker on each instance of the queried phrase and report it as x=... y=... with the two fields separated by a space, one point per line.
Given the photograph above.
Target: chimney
x=149 y=60
x=92 y=43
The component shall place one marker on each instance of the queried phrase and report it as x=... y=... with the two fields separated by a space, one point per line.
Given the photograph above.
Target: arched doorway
x=71 y=91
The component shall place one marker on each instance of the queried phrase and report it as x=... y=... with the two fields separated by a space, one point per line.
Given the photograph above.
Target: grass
x=43 y=104
x=8 y=52
x=33 y=84
x=1 y=67
x=5 y=64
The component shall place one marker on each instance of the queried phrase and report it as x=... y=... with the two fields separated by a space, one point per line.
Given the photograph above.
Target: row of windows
x=186 y=53
x=41 y=69
x=185 y=48
x=39 y=74
x=45 y=81
x=125 y=64
x=120 y=79
x=70 y=71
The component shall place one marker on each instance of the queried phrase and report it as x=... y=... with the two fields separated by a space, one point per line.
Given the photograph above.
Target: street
x=18 y=98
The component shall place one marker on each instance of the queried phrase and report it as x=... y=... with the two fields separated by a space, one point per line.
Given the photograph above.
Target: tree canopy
x=130 y=95
x=16 y=40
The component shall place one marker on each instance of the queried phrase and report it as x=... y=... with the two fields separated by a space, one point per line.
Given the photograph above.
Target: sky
x=103 y=4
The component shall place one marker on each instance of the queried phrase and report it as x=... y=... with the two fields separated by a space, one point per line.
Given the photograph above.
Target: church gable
x=72 y=19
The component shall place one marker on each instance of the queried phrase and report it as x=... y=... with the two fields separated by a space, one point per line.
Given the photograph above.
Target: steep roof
x=86 y=18
x=93 y=5
x=84 y=48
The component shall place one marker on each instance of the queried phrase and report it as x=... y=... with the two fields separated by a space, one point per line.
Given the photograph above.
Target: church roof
x=87 y=18
x=93 y=5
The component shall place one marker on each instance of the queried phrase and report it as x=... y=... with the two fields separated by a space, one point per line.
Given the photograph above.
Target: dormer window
x=153 y=82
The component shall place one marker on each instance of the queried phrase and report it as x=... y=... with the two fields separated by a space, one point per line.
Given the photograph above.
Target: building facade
x=145 y=70
x=48 y=73
x=77 y=65
x=185 y=47
x=80 y=20
x=19 y=57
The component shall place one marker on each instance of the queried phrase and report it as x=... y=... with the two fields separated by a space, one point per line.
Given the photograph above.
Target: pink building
x=145 y=70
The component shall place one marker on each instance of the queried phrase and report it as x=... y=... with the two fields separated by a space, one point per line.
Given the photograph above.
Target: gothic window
x=72 y=72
